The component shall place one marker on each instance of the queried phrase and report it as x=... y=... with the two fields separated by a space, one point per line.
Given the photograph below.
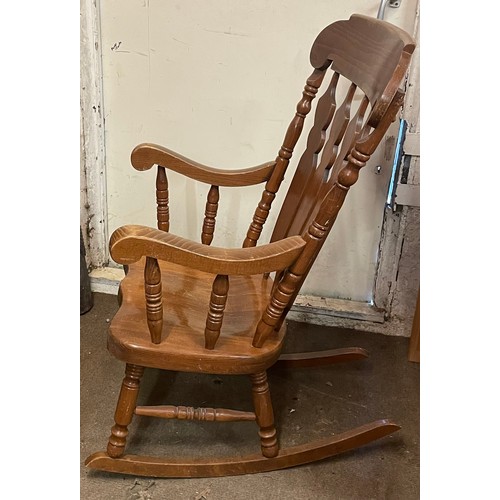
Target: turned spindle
x=162 y=211
x=215 y=314
x=211 y=207
x=286 y=291
x=154 y=305
x=283 y=158
x=191 y=413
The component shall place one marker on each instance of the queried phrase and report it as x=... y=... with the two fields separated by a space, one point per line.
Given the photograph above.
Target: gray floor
x=308 y=403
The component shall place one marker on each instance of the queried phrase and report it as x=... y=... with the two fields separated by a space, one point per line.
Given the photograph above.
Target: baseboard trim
x=339 y=308
x=106 y=280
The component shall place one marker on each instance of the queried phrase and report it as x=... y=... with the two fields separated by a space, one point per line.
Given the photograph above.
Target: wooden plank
x=338 y=307
x=231 y=466
x=408 y=194
x=106 y=280
x=411 y=145
x=414 y=349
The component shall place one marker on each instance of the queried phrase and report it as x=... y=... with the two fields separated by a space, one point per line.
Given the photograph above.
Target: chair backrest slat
x=371 y=57
x=283 y=159
x=324 y=113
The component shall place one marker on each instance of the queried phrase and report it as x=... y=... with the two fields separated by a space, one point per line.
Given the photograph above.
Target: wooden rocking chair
x=242 y=328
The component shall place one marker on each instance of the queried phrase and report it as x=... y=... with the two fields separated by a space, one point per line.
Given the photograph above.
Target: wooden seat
x=183 y=339
x=188 y=306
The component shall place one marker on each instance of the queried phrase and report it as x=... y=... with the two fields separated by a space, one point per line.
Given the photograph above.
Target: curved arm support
x=129 y=243
x=144 y=156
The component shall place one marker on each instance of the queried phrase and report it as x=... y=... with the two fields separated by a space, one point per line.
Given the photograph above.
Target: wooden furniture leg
x=264 y=413
x=125 y=410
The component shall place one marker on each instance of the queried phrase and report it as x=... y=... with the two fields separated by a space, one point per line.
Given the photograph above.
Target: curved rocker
x=297 y=455
x=320 y=358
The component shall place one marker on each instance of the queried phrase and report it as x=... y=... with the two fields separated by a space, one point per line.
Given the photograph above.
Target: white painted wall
x=218 y=81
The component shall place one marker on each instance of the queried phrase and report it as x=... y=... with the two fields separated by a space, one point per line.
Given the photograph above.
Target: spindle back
x=367 y=59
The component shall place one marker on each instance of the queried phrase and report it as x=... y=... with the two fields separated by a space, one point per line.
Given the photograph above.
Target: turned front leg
x=264 y=413
x=125 y=410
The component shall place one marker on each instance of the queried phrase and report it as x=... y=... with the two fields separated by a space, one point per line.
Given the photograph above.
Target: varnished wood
x=212 y=205
x=366 y=51
x=374 y=56
x=177 y=311
x=325 y=112
x=283 y=158
x=356 y=129
x=129 y=243
x=125 y=410
x=320 y=358
x=232 y=466
x=265 y=416
x=343 y=134
x=190 y=413
x=186 y=295
x=289 y=284
x=153 y=295
x=144 y=156
x=338 y=131
x=286 y=291
x=327 y=173
x=218 y=299
x=162 y=210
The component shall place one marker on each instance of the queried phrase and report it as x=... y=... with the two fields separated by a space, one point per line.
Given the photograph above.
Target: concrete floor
x=308 y=404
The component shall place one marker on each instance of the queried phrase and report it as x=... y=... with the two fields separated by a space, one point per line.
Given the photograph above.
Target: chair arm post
x=215 y=314
x=207 y=233
x=162 y=211
x=153 y=295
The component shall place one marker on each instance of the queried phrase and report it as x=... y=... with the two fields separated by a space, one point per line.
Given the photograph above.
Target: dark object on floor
x=86 y=299
x=173 y=310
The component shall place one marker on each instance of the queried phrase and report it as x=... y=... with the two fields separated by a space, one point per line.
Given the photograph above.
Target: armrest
x=129 y=243
x=144 y=156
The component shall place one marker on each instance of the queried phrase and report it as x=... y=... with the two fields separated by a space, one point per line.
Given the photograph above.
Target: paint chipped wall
x=408 y=278
x=403 y=287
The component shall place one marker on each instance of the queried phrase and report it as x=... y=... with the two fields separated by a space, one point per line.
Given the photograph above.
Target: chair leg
x=264 y=413
x=125 y=410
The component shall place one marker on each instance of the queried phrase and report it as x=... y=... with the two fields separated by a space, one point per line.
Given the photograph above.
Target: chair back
x=367 y=60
